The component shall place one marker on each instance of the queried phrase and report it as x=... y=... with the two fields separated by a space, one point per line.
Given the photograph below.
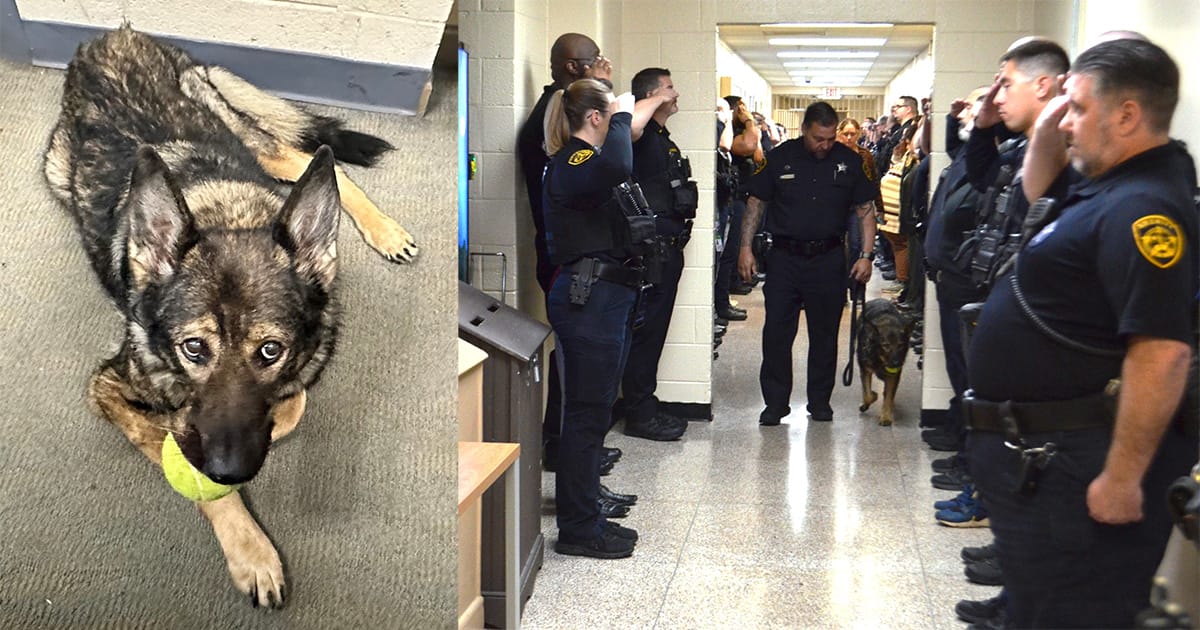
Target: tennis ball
x=184 y=477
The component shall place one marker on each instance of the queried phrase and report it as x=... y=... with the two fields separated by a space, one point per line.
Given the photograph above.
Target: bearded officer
x=1076 y=436
x=806 y=190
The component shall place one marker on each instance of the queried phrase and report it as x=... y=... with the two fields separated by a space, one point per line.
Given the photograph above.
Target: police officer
x=746 y=152
x=573 y=56
x=807 y=190
x=1076 y=502
x=591 y=299
x=665 y=178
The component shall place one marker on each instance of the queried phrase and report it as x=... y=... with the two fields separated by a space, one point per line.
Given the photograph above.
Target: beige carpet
x=360 y=499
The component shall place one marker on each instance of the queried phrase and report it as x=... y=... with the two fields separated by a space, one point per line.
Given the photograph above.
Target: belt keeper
x=1012 y=433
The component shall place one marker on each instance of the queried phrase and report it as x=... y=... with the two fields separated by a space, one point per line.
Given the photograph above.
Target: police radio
x=685 y=195
x=639 y=217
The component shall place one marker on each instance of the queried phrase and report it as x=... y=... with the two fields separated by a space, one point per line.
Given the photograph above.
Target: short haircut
x=1037 y=56
x=646 y=81
x=733 y=101
x=1132 y=68
x=912 y=104
x=821 y=114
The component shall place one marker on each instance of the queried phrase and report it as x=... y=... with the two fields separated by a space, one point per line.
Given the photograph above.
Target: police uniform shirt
x=808 y=199
x=1119 y=261
x=583 y=176
x=653 y=154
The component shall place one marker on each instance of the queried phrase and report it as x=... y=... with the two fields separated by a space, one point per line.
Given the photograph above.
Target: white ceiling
x=827 y=58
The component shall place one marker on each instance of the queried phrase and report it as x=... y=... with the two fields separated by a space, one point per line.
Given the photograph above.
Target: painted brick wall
x=399 y=32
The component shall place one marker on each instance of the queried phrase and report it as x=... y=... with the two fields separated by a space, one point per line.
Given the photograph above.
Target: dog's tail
x=348 y=146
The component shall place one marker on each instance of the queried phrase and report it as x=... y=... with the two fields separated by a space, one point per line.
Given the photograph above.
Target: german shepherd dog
x=209 y=211
x=883 y=335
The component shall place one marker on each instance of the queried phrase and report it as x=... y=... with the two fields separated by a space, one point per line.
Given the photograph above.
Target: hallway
x=804 y=525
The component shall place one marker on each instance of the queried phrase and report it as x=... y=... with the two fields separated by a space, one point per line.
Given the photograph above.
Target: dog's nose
x=232 y=458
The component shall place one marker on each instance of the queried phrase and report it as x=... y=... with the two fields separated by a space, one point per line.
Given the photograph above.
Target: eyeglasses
x=585 y=62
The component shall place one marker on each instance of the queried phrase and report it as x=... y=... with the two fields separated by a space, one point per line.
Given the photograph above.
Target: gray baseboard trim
x=13 y=45
x=294 y=75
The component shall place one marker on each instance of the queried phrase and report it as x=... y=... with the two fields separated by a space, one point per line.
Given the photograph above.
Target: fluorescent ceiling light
x=828 y=64
x=828 y=25
x=827 y=73
x=864 y=42
x=828 y=54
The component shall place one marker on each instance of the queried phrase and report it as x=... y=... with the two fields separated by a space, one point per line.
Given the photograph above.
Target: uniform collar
x=652 y=126
x=1158 y=158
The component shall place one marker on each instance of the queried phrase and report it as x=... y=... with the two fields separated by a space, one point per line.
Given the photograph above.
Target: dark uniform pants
x=727 y=267
x=593 y=344
x=640 y=379
x=818 y=283
x=1061 y=568
x=953 y=293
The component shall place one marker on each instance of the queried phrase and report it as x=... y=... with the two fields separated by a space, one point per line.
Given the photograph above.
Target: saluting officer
x=590 y=299
x=665 y=178
x=807 y=190
x=1073 y=480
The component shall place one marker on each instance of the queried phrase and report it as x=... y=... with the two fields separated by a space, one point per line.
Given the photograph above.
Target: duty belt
x=1088 y=412
x=612 y=272
x=805 y=248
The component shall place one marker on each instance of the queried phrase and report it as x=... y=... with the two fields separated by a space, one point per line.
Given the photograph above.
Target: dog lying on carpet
x=883 y=334
x=175 y=174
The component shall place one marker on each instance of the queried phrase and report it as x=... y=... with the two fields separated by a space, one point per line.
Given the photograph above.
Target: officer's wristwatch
x=867 y=255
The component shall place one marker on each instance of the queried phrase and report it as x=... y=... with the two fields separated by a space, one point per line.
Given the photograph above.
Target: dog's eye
x=270 y=351
x=194 y=350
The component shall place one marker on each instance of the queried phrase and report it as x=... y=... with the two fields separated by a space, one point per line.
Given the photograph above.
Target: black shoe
x=609 y=509
x=606 y=460
x=617 y=497
x=821 y=414
x=720 y=321
x=980 y=611
x=952 y=480
x=606 y=546
x=620 y=531
x=978 y=554
x=985 y=572
x=606 y=467
x=741 y=288
x=611 y=452
x=732 y=314
x=946 y=464
x=771 y=417
x=942 y=440
x=660 y=428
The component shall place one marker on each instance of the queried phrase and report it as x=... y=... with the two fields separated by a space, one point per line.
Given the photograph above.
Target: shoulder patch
x=758 y=168
x=1159 y=240
x=580 y=156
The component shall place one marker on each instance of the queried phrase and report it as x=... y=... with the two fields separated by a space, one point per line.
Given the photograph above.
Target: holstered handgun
x=582 y=281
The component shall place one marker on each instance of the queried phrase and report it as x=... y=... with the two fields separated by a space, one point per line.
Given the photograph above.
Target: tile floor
x=803 y=525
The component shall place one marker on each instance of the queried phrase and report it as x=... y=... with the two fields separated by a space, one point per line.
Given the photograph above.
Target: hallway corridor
x=804 y=525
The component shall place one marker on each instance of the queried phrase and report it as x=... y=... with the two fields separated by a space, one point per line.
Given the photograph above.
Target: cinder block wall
x=510 y=41
x=398 y=32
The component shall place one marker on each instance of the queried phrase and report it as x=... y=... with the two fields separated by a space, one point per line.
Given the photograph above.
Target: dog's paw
x=868 y=401
x=885 y=421
x=386 y=236
x=256 y=570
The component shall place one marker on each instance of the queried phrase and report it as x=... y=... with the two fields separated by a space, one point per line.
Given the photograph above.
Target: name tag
x=788 y=176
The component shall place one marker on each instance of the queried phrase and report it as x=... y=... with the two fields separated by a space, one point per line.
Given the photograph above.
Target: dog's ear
x=310 y=219
x=160 y=225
